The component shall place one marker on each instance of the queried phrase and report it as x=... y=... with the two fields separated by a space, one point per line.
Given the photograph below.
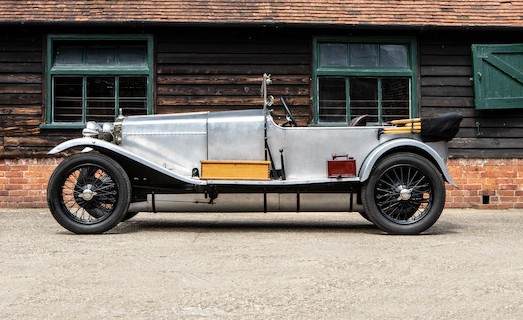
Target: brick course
x=499 y=181
x=23 y=183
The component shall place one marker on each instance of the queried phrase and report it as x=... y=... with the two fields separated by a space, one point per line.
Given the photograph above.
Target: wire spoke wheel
x=89 y=193
x=405 y=194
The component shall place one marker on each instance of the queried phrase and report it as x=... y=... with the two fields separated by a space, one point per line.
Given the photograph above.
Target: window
x=498 y=76
x=92 y=77
x=354 y=77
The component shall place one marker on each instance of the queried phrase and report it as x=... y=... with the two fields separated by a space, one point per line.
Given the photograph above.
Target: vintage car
x=242 y=161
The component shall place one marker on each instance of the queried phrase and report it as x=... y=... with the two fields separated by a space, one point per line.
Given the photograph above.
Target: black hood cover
x=440 y=128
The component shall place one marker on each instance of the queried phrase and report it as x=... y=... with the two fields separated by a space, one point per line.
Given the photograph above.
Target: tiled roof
x=451 y=13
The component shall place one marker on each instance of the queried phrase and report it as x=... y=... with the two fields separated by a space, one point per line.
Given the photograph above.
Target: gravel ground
x=262 y=266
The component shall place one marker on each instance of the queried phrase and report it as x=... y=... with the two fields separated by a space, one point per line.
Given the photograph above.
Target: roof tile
x=450 y=13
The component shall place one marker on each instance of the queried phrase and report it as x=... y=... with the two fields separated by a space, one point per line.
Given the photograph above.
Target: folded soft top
x=442 y=127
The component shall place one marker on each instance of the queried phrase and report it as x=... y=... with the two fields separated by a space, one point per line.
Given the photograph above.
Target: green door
x=498 y=76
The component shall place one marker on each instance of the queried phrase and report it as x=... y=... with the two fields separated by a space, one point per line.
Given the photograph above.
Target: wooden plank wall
x=446 y=85
x=220 y=69
x=211 y=71
x=21 y=96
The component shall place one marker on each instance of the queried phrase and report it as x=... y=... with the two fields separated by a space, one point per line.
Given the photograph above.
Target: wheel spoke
x=403 y=194
x=410 y=181
x=89 y=194
x=392 y=205
x=391 y=184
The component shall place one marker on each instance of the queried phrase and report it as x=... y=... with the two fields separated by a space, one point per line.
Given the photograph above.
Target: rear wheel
x=89 y=193
x=405 y=194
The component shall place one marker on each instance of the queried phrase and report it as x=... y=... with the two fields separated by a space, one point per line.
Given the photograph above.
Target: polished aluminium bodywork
x=173 y=145
x=155 y=163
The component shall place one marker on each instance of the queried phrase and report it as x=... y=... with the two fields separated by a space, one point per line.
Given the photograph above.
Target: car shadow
x=231 y=225
x=236 y=225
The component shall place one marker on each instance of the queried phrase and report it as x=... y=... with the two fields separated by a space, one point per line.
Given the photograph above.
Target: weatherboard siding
x=446 y=80
x=207 y=69
x=213 y=71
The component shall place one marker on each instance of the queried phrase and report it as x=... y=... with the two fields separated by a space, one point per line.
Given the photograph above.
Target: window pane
x=133 y=95
x=333 y=54
x=396 y=97
x=364 y=98
x=363 y=55
x=132 y=55
x=100 y=55
x=68 y=55
x=393 y=55
x=67 y=99
x=100 y=99
x=332 y=100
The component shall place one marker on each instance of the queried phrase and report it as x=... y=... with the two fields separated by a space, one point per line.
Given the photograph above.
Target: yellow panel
x=235 y=170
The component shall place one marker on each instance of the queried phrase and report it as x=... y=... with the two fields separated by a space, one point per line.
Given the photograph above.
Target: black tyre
x=89 y=193
x=404 y=195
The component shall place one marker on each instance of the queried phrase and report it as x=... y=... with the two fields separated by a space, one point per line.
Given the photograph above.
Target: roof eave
x=276 y=24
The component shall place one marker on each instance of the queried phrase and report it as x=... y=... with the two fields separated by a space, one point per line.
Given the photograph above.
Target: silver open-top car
x=237 y=161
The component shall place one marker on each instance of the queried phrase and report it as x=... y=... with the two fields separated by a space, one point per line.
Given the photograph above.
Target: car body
x=243 y=160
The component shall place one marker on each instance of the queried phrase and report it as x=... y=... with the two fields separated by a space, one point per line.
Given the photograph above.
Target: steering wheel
x=289 y=119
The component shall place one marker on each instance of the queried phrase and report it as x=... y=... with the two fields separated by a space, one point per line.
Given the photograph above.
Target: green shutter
x=498 y=76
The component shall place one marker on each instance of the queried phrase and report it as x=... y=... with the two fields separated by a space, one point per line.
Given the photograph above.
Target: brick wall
x=497 y=182
x=486 y=183
x=23 y=182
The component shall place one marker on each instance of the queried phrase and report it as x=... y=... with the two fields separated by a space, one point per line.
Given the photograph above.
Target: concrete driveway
x=262 y=266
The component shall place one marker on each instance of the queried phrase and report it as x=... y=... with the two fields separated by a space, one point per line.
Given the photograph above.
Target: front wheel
x=89 y=193
x=405 y=194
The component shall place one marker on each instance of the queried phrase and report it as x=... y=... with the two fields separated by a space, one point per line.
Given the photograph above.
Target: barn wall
x=204 y=69
x=446 y=85
x=222 y=71
x=22 y=96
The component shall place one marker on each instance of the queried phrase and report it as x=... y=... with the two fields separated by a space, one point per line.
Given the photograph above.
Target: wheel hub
x=404 y=193
x=87 y=194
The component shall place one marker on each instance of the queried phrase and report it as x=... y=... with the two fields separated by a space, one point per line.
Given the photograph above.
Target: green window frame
x=498 y=76
x=366 y=65
x=96 y=74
